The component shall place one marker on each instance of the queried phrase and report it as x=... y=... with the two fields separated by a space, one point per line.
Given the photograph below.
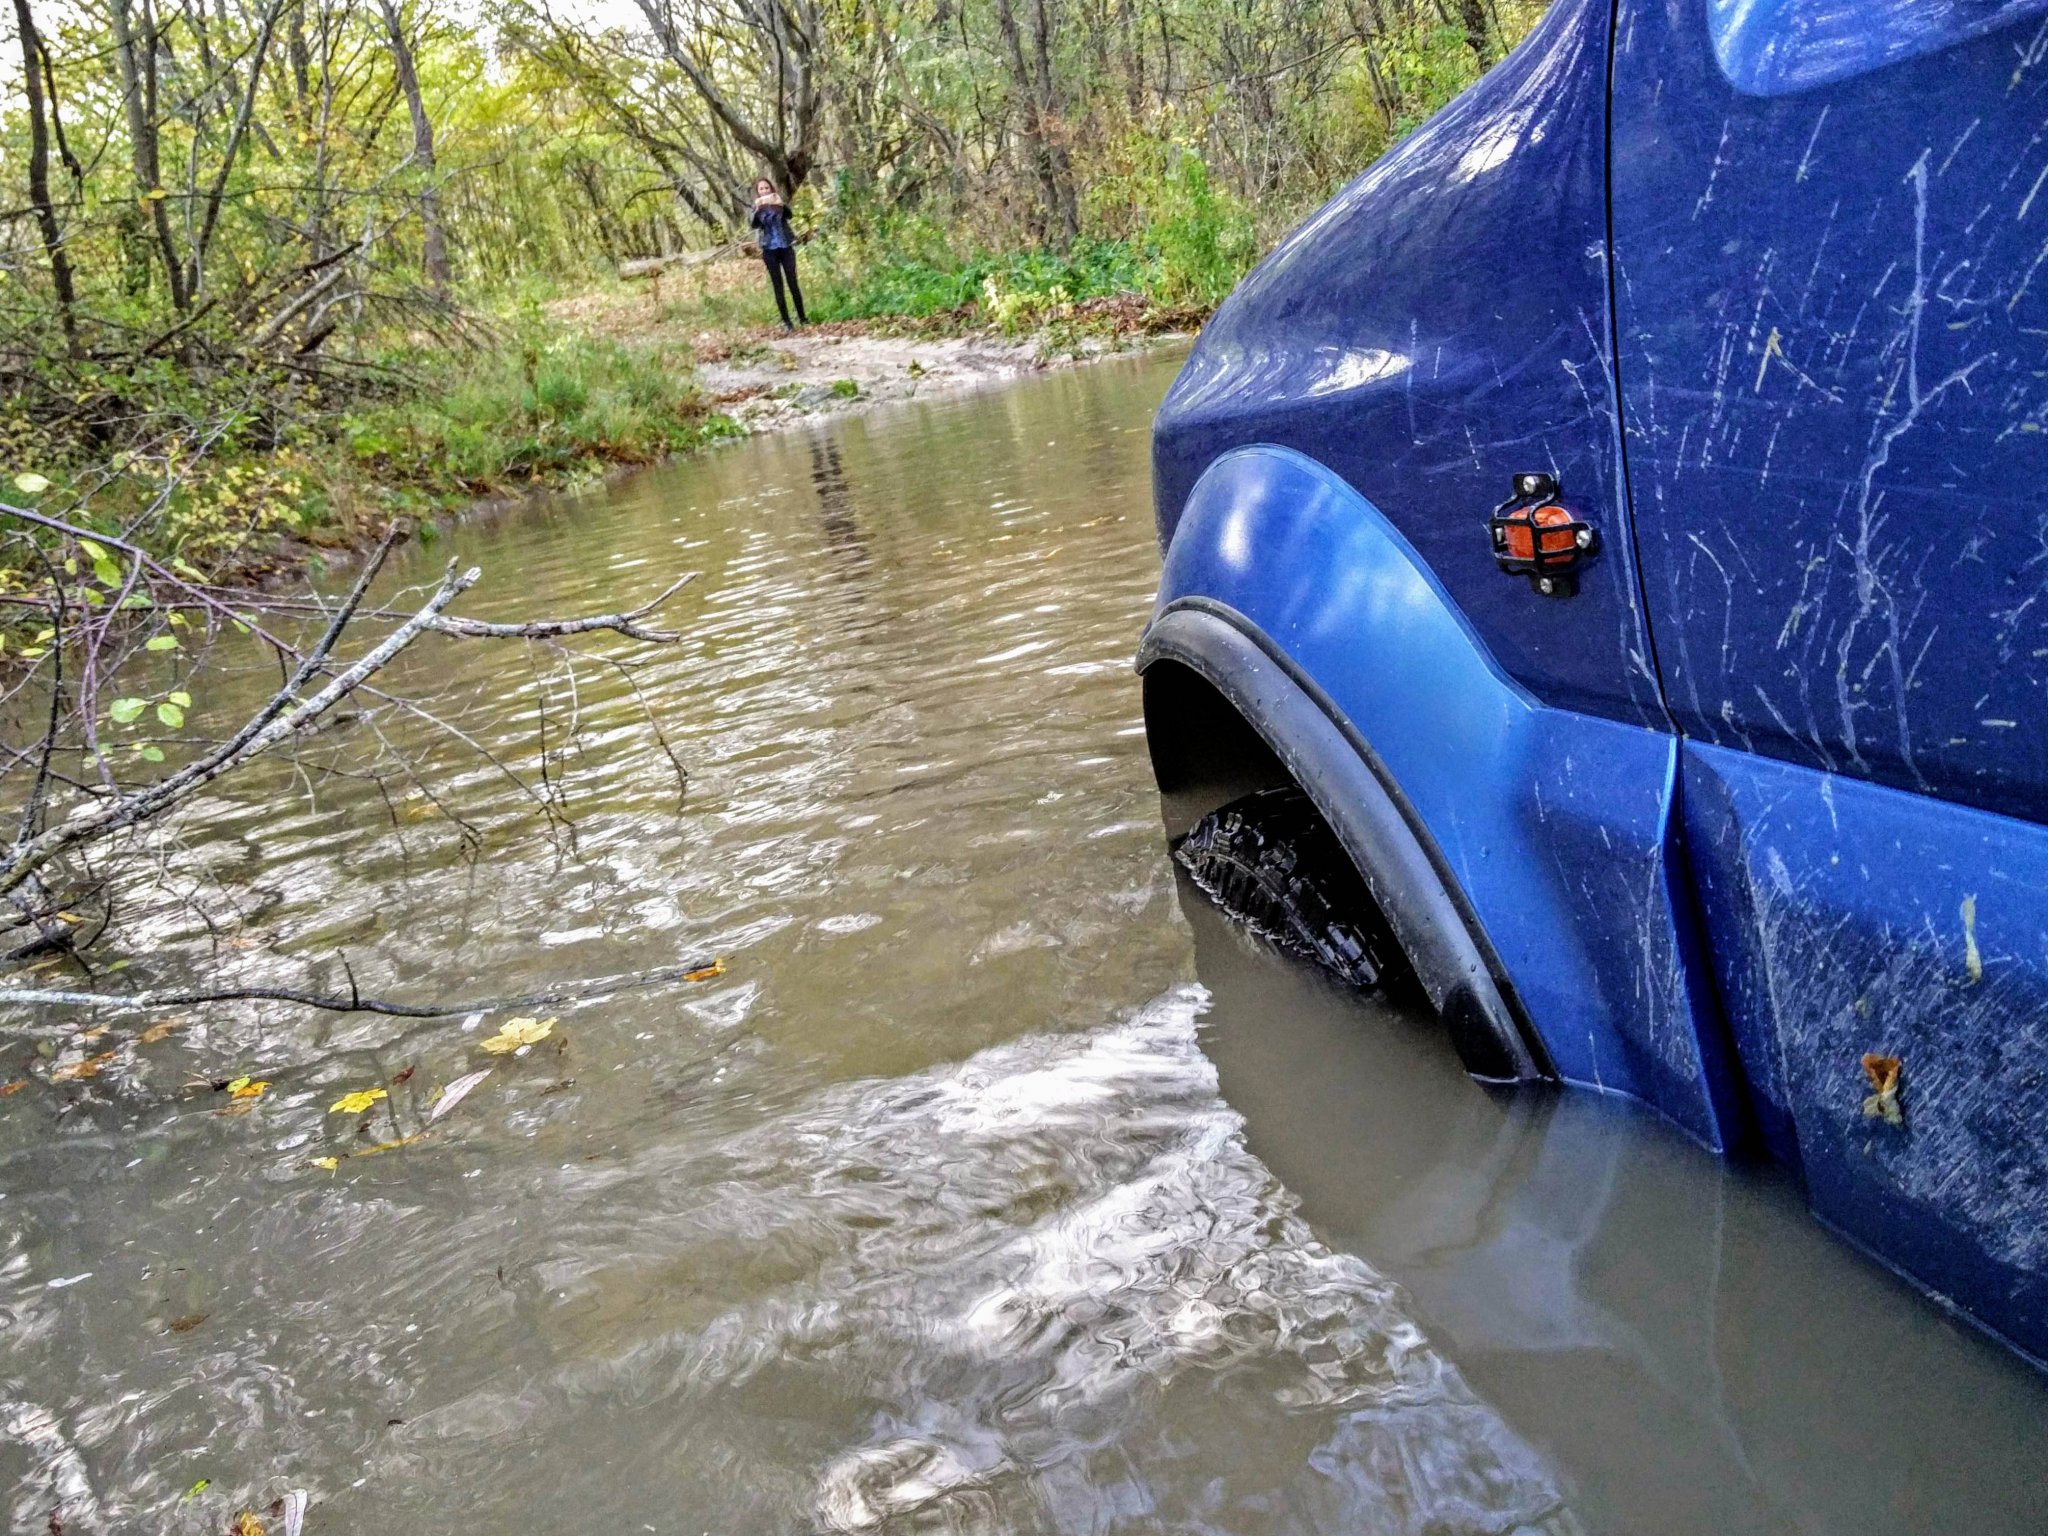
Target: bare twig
x=350 y=1002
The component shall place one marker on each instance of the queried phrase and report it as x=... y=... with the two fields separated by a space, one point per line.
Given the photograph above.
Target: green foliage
x=543 y=410
x=1202 y=235
x=253 y=353
x=1011 y=290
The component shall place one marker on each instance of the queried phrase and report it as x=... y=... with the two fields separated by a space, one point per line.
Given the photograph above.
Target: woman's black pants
x=782 y=265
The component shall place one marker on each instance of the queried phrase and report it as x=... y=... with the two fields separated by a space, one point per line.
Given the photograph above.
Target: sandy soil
x=767 y=382
x=764 y=377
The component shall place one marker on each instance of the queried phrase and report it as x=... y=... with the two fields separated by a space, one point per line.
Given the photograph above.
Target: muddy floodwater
x=994 y=1187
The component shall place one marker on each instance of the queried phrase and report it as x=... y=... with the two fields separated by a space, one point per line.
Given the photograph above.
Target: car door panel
x=1832 y=316
x=1885 y=924
x=1833 y=326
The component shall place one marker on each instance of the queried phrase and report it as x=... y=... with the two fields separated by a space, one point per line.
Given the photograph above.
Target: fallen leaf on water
x=402 y=1077
x=72 y=1071
x=157 y=1032
x=186 y=1323
x=355 y=1103
x=389 y=1146
x=456 y=1092
x=94 y=1033
x=518 y=1032
x=198 y=1488
x=247 y=1087
x=706 y=972
x=246 y=1524
x=1883 y=1074
x=9 y=1089
x=329 y=1163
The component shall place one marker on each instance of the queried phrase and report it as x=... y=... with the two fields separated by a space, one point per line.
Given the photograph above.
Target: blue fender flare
x=1433 y=924
x=1525 y=856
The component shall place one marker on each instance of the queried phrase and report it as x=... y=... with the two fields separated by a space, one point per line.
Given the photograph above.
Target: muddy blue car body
x=1745 y=817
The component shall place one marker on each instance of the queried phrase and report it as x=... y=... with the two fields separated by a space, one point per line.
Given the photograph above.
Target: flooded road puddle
x=995 y=1186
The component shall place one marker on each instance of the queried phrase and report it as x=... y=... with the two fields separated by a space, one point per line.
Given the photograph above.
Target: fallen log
x=652 y=266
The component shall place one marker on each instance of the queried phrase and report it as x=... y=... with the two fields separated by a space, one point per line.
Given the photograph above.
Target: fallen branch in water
x=352 y=1002
x=130 y=603
x=244 y=603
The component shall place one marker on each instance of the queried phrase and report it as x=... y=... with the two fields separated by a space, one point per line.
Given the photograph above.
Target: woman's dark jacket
x=772 y=220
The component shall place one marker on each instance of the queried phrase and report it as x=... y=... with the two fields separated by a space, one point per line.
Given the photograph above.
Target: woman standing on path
x=778 y=248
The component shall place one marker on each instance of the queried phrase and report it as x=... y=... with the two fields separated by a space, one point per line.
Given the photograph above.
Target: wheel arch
x=1226 y=713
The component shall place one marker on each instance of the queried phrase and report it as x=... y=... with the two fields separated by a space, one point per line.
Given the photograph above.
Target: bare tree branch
x=333 y=1002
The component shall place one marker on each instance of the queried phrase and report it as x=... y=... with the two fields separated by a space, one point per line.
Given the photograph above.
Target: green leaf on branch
x=180 y=698
x=150 y=754
x=31 y=484
x=106 y=570
x=126 y=711
x=162 y=643
x=170 y=714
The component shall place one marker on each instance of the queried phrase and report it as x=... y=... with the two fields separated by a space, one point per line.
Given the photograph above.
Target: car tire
x=1270 y=862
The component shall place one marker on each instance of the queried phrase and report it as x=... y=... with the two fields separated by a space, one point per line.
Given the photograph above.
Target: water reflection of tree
x=836 y=504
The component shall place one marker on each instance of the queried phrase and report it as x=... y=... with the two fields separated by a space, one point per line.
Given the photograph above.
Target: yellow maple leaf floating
x=355 y=1103
x=247 y=1087
x=518 y=1032
x=329 y=1163
x=705 y=972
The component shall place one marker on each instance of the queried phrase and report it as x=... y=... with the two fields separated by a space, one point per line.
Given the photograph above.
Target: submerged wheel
x=1271 y=862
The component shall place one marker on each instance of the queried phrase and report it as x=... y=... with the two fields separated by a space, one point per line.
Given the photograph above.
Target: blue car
x=1621 y=515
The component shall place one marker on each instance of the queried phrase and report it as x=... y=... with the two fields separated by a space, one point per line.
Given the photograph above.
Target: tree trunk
x=433 y=242
x=138 y=103
x=195 y=275
x=1472 y=14
x=781 y=131
x=1068 y=206
x=39 y=174
x=1048 y=158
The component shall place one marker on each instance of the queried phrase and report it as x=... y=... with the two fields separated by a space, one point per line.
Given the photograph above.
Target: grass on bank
x=545 y=408
x=275 y=462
